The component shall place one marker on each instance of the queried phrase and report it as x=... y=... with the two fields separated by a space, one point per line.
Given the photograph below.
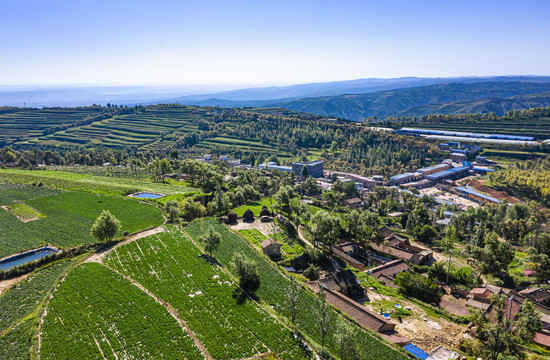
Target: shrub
x=313 y=272
x=419 y=287
x=125 y=233
x=232 y=217
x=248 y=215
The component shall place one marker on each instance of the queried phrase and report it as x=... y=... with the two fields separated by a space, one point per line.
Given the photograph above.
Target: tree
x=346 y=340
x=171 y=208
x=211 y=240
x=324 y=322
x=293 y=297
x=284 y=195
x=424 y=233
x=304 y=171
x=495 y=257
x=418 y=286
x=501 y=334
x=220 y=203
x=325 y=227
x=192 y=209
x=105 y=226
x=247 y=272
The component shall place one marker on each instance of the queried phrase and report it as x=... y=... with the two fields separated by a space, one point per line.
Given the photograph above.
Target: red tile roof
x=389 y=269
x=542 y=338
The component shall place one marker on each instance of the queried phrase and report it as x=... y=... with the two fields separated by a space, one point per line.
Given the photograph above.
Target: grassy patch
x=255 y=207
x=24 y=211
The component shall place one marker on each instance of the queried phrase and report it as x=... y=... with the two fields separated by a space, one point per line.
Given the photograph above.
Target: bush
x=418 y=286
x=248 y=215
x=125 y=233
x=313 y=272
x=265 y=211
x=232 y=217
x=247 y=271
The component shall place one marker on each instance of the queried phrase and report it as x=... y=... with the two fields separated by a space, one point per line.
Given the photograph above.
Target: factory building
x=314 y=168
x=449 y=174
x=433 y=169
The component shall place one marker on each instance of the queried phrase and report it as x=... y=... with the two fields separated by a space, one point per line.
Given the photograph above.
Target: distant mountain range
x=432 y=99
x=353 y=99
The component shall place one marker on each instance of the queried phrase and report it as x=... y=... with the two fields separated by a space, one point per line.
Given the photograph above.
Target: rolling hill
x=397 y=102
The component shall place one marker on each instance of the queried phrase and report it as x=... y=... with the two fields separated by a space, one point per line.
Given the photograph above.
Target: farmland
x=68 y=218
x=207 y=299
x=30 y=123
x=88 y=183
x=19 y=310
x=274 y=284
x=96 y=314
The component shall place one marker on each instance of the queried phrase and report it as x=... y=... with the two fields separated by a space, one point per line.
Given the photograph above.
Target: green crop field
x=19 y=310
x=28 y=123
x=88 y=183
x=16 y=343
x=152 y=129
x=97 y=314
x=172 y=267
x=255 y=207
x=68 y=218
x=275 y=285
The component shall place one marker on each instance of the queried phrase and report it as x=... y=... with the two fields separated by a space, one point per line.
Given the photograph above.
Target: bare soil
x=5 y=285
x=501 y=195
x=265 y=228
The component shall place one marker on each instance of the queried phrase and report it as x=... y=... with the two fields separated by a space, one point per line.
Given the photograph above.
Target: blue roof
x=467 y=163
x=465 y=134
x=415 y=351
x=447 y=173
x=482 y=169
x=470 y=191
x=401 y=177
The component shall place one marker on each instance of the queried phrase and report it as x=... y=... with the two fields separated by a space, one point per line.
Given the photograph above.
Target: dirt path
x=97 y=257
x=5 y=285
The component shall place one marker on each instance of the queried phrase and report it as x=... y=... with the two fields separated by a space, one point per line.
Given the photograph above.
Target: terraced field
x=68 y=218
x=274 y=285
x=97 y=314
x=22 y=125
x=230 y=326
x=153 y=129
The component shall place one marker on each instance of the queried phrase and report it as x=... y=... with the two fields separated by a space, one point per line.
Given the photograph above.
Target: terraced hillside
x=153 y=129
x=30 y=123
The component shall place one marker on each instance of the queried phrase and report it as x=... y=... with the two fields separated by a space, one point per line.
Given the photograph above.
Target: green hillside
x=394 y=102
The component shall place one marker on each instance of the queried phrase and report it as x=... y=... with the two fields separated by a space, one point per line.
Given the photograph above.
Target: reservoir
x=23 y=258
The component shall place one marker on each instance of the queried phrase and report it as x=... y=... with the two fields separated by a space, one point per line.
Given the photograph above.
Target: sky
x=257 y=42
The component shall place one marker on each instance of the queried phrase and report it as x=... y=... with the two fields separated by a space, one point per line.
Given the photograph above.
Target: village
x=356 y=290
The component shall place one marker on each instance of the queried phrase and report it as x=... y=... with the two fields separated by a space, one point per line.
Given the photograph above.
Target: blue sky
x=267 y=42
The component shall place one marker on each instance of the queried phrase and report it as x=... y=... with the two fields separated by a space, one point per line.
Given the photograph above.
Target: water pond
x=23 y=258
x=147 y=195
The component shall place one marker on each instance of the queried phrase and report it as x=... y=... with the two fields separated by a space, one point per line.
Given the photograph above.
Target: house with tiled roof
x=539 y=295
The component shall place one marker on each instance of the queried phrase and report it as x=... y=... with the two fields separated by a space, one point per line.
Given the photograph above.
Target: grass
x=273 y=287
x=96 y=313
x=24 y=211
x=255 y=207
x=227 y=323
x=68 y=219
x=103 y=185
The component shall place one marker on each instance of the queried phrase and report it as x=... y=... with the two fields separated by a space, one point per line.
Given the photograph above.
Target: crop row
x=12 y=192
x=23 y=299
x=274 y=286
x=228 y=324
x=97 y=314
x=68 y=219
x=87 y=183
x=16 y=343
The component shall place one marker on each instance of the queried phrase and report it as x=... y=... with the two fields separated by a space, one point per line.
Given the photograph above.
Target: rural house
x=271 y=248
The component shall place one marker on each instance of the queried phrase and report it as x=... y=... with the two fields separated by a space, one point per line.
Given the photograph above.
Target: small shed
x=271 y=248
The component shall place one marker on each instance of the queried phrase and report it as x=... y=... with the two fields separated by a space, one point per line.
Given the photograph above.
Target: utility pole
x=510 y=309
x=449 y=268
